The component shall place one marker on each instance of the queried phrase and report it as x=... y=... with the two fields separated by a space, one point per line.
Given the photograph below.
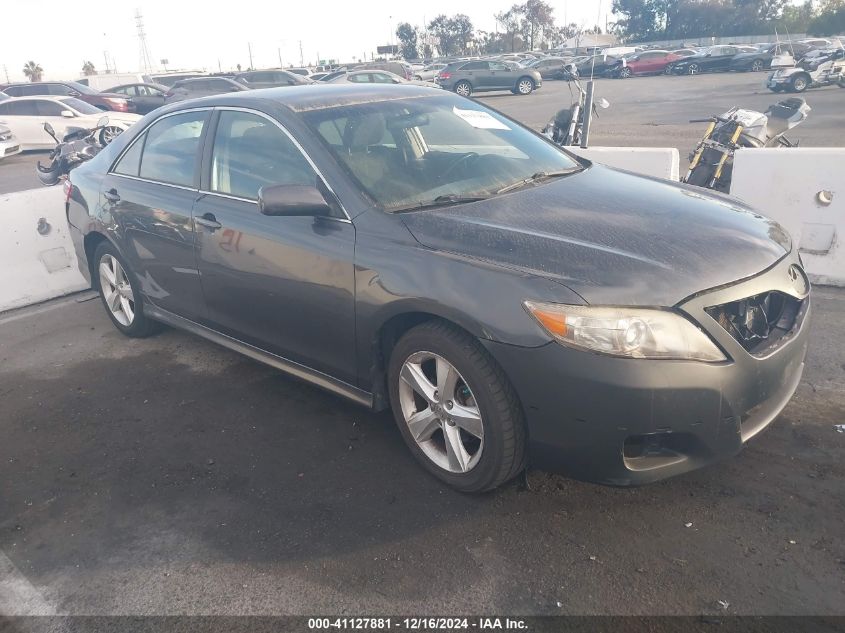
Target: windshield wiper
x=538 y=177
x=440 y=201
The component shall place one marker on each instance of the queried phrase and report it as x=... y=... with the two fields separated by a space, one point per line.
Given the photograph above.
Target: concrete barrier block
x=802 y=189
x=37 y=259
x=659 y=162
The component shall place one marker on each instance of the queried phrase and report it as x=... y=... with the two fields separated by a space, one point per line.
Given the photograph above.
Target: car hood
x=611 y=236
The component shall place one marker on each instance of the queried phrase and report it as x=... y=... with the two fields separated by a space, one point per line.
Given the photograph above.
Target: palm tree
x=88 y=69
x=33 y=70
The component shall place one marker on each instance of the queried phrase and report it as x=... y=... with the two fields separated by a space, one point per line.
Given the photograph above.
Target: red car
x=647 y=63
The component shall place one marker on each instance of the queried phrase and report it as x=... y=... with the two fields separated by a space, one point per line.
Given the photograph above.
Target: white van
x=110 y=80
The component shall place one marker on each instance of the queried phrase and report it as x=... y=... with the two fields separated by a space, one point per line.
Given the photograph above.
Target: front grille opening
x=759 y=323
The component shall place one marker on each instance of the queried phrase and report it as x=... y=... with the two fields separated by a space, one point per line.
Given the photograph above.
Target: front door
x=283 y=284
x=150 y=194
x=501 y=76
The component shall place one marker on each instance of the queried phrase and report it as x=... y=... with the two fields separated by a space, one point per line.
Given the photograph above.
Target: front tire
x=525 y=86
x=693 y=69
x=757 y=65
x=120 y=294
x=455 y=408
x=463 y=88
x=625 y=73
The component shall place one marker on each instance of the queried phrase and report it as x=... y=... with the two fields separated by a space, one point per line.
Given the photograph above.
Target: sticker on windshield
x=480 y=119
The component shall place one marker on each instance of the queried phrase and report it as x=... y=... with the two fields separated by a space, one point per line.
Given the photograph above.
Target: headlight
x=625 y=332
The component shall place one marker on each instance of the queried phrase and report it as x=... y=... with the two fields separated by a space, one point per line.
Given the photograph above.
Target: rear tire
x=799 y=83
x=463 y=88
x=479 y=385
x=625 y=73
x=120 y=293
x=525 y=86
x=757 y=65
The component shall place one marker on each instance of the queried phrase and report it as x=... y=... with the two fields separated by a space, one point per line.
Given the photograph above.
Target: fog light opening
x=653 y=450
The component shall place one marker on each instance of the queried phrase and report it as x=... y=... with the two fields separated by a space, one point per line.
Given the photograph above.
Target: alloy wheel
x=799 y=84
x=625 y=72
x=525 y=87
x=692 y=69
x=117 y=291
x=109 y=133
x=463 y=89
x=757 y=66
x=441 y=412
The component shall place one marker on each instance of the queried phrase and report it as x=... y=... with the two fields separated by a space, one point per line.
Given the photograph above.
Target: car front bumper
x=9 y=148
x=622 y=421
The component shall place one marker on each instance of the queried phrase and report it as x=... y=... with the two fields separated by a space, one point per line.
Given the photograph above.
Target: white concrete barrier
x=660 y=162
x=37 y=259
x=803 y=188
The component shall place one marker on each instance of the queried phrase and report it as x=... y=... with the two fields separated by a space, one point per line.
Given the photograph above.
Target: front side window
x=411 y=151
x=361 y=78
x=170 y=150
x=251 y=152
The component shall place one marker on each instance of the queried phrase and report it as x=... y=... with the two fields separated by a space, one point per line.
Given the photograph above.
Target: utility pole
x=6 y=71
x=301 y=57
x=249 y=46
x=279 y=50
x=219 y=65
x=144 y=51
x=106 y=60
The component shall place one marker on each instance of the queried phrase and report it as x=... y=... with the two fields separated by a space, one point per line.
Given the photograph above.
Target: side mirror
x=103 y=121
x=67 y=114
x=74 y=93
x=292 y=200
x=603 y=103
x=49 y=129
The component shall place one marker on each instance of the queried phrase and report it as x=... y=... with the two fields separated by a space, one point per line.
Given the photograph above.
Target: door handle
x=111 y=195
x=208 y=221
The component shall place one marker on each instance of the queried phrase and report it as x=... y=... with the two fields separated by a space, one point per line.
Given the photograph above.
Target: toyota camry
x=414 y=250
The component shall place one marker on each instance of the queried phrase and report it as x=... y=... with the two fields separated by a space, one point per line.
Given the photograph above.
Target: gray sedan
x=482 y=75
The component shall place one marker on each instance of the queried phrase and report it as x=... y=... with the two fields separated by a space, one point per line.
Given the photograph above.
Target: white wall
x=661 y=162
x=784 y=184
x=35 y=267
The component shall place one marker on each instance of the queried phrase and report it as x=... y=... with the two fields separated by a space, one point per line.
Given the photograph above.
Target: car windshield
x=80 y=106
x=411 y=153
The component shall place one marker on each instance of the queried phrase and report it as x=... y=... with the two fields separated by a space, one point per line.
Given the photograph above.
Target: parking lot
x=171 y=476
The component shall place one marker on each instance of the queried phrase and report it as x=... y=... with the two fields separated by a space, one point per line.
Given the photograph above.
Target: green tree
x=537 y=21
x=33 y=71
x=455 y=33
x=88 y=69
x=407 y=36
x=830 y=19
x=510 y=21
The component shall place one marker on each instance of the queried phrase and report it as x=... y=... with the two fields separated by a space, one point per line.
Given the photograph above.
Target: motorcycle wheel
x=703 y=173
x=799 y=83
x=108 y=134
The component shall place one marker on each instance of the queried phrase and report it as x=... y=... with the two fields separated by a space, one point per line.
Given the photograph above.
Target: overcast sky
x=61 y=35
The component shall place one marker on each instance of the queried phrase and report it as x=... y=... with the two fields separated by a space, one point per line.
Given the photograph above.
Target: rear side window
x=475 y=66
x=170 y=149
x=130 y=162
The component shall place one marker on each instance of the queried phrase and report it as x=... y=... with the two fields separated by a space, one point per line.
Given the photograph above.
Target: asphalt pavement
x=171 y=476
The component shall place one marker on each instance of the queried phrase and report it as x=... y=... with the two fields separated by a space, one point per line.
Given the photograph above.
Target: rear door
x=150 y=193
x=476 y=73
x=283 y=284
x=21 y=116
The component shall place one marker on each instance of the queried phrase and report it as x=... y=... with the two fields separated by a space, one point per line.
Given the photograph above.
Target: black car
x=762 y=60
x=597 y=65
x=146 y=97
x=713 y=59
x=409 y=249
x=271 y=79
x=481 y=75
x=202 y=87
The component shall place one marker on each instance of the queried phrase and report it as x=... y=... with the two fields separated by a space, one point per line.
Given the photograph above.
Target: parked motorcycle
x=567 y=125
x=818 y=71
x=77 y=146
x=711 y=163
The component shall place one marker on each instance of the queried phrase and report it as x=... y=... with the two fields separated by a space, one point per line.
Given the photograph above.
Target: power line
x=144 y=52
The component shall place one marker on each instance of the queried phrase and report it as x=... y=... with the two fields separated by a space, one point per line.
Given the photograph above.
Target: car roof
x=139 y=83
x=42 y=97
x=305 y=98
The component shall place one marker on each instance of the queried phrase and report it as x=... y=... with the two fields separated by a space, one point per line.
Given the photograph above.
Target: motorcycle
x=825 y=69
x=77 y=146
x=566 y=128
x=711 y=162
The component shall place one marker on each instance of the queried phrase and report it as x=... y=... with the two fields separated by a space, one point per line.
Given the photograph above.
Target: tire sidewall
x=139 y=323
x=530 y=83
x=487 y=467
x=464 y=83
x=796 y=79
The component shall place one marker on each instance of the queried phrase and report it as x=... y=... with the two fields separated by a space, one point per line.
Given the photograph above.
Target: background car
x=375 y=77
x=713 y=59
x=146 y=97
x=9 y=144
x=168 y=79
x=480 y=75
x=299 y=71
x=202 y=87
x=317 y=76
x=596 y=65
x=271 y=78
x=430 y=72
x=652 y=62
x=101 y=100
x=762 y=59
x=551 y=67
x=26 y=116
x=403 y=69
x=104 y=81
